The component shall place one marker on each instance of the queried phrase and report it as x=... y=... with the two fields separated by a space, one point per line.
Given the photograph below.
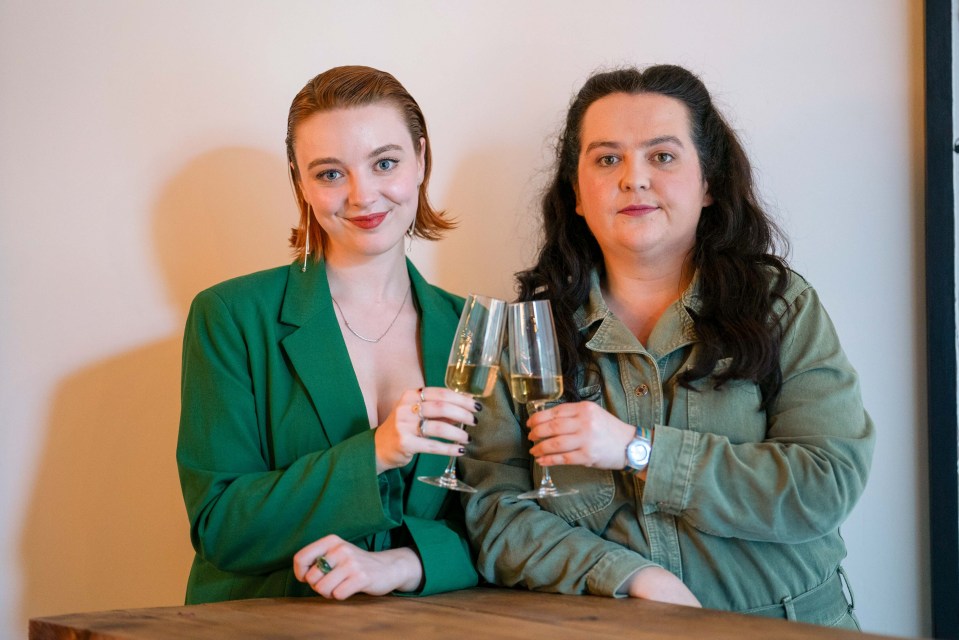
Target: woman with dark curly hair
x=711 y=422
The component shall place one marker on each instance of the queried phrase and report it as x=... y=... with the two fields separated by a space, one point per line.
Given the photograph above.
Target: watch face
x=638 y=453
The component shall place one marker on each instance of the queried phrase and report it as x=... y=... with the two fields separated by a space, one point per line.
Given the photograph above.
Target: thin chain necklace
x=383 y=335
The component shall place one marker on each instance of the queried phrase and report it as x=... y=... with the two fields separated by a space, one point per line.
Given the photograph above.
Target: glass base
x=547 y=492
x=447 y=483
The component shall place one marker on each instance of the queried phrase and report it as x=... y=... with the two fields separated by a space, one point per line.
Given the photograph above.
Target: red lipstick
x=371 y=221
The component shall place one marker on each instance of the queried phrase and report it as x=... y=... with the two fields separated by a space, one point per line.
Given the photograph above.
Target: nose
x=361 y=193
x=635 y=175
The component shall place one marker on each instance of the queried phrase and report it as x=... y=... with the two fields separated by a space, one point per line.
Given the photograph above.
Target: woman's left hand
x=581 y=433
x=349 y=569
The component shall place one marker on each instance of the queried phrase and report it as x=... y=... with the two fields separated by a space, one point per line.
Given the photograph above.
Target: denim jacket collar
x=675 y=328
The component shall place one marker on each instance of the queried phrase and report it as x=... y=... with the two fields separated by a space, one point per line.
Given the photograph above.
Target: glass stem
x=450 y=473
x=545 y=482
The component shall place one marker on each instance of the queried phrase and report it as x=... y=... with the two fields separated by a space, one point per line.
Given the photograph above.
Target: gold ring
x=422 y=394
x=322 y=565
x=416 y=409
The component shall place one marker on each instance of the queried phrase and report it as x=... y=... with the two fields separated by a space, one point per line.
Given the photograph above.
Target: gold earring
x=306 y=249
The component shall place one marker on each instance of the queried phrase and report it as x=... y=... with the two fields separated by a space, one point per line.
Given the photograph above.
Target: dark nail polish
x=478 y=406
x=462 y=449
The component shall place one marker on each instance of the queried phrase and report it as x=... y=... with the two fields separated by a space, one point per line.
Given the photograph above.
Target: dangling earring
x=306 y=249
x=409 y=234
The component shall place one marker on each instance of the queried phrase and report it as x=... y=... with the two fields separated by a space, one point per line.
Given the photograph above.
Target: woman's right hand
x=656 y=583
x=401 y=435
x=337 y=569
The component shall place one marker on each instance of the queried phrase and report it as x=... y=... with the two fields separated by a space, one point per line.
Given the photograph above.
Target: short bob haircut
x=343 y=88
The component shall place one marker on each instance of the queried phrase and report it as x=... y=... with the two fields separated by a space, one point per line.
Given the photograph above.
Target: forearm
x=520 y=543
x=253 y=522
x=406 y=567
x=794 y=480
x=658 y=584
x=444 y=553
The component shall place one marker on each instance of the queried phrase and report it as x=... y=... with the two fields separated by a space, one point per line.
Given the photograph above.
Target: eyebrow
x=652 y=142
x=375 y=152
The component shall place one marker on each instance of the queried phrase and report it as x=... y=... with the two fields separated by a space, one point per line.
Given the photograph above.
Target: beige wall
x=141 y=159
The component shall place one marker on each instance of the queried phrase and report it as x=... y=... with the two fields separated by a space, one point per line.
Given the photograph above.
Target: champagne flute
x=535 y=374
x=473 y=365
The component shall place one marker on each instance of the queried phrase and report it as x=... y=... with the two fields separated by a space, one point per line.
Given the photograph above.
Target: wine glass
x=535 y=375
x=473 y=365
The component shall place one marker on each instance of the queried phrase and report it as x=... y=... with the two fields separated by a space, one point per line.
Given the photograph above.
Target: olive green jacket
x=275 y=448
x=743 y=504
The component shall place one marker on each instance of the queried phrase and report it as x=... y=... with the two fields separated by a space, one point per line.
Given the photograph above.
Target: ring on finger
x=422 y=394
x=421 y=429
x=322 y=565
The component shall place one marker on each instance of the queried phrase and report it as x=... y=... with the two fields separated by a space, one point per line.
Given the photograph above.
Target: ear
x=579 y=205
x=707 y=197
x=421 y=162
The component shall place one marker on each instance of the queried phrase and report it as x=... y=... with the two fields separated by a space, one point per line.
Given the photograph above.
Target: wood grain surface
x=477 y=613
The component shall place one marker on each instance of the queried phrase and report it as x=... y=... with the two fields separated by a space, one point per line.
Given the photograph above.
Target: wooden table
x=475 y=613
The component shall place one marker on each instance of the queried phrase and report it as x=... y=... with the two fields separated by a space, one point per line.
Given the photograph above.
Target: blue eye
x=329 y=175
x=385 y=164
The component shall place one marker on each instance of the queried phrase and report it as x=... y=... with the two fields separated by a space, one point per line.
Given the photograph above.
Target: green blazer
x=275 y=449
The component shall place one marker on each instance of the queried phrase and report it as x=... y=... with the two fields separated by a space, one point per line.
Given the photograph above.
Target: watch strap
x=642 y=433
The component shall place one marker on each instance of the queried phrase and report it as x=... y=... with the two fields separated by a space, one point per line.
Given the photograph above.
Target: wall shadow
x=105 y=526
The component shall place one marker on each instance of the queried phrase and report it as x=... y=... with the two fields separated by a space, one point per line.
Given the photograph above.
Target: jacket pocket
x=596 y=491
x=596 y=486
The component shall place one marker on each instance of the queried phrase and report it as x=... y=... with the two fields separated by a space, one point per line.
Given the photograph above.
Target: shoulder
x=447 y=300
x=254 y=290
x=796 y=286
x=800 y=309
x=433 y=300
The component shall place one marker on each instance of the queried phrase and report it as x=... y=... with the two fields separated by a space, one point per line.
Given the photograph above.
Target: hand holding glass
x=535 y=373
x=473 y=365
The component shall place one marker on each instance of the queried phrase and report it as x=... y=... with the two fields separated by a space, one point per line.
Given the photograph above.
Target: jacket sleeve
x=804 y=478
x=444 y=551
x=517 y=542
x=245 y=516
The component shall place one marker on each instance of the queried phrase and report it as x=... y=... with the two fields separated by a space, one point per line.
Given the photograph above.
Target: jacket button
x=642 y=390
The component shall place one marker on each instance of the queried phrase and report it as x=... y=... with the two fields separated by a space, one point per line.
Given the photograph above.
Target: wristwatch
x=638 y=451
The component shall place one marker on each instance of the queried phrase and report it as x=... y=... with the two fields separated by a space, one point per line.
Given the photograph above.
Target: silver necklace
x=383 y=335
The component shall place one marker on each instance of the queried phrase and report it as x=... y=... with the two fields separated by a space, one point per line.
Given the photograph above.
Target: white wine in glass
x=536 y=390
x=535 y=376
x=473 y=365
x=476 y=380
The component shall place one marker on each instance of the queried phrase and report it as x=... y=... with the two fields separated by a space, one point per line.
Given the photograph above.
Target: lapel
x=318 y=353
x=319 y=357
x=438 y=320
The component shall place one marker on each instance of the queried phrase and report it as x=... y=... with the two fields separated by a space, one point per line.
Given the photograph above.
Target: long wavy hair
x=357 y=86
x=740 y=273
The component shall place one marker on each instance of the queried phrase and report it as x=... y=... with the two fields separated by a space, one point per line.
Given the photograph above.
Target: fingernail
x=462 y=449
x=475 y=421
x=478 y=406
